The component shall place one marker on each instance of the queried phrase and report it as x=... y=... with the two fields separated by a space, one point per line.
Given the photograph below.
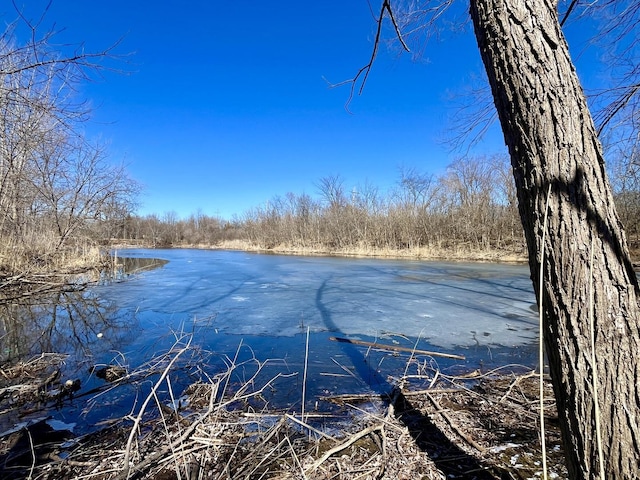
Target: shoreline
x=484 y=428
x=441 y=254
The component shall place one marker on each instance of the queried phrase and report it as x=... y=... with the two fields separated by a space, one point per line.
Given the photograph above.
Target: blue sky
x=226 y=104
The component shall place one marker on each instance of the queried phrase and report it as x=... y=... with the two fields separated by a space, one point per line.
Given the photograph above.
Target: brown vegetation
x=58 y=192
x=470 y=210
x=469 y=213
x=430 y=425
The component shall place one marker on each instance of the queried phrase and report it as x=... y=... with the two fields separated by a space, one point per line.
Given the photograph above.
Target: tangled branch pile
x=453 y=429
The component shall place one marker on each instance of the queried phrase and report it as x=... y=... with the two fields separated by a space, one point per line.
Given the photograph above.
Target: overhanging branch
x=362 y=75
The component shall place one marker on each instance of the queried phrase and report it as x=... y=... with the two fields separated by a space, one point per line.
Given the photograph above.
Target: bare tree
x=416 y=190
x=589 y=293
x=52 y=180
x=331 y=189
x=76 y=188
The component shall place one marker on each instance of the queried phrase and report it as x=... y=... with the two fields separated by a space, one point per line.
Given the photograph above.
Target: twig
x=338 y=448
x=294 y=455
x=138 y=418
x=435 y=378
x=33 y=455
x=432 y=390
x=302 y=423
x=568 y=12
x=415 y=346
x=233 y=363
x=278 y=415
x=512 y=385
x=364 y=71
x=304 y=375
x=455 y=428
x=345 y=368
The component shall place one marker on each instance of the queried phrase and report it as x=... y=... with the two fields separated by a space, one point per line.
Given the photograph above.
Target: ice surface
x=449 y=304
x=260 y=307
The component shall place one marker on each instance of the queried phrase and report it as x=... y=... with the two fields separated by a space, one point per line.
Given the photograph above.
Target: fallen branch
x=338 y=448
x=396 y=348
x=465 y=437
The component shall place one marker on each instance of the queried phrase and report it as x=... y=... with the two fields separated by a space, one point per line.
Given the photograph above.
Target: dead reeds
x=432 y=425
x=40 y=265
x=30 y=381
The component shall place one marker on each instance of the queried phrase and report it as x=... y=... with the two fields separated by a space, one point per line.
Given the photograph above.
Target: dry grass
x=42 y=254
x=459 y=252
x=37 y=266
x=483 y=428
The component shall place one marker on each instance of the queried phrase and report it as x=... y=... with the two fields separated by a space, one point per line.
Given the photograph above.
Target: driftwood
x=396 y=348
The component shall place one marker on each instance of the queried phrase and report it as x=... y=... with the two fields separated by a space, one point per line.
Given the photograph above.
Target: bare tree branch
x=568 y=12
x=618 y=106
x=363 y=73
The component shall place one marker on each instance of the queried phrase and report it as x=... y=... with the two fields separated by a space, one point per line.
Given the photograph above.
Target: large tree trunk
x=553 y=144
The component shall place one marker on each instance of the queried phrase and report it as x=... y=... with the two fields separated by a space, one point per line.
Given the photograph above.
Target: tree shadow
x=446 y=455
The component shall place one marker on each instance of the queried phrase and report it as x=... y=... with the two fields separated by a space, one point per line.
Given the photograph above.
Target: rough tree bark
x=553 y=143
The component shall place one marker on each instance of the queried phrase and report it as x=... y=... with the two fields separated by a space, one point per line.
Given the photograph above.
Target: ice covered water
x=450 y=305
x=259 y=308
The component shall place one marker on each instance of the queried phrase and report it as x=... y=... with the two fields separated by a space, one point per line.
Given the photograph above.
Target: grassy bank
x=43 y=255
x=452 y=253
x=37 y=266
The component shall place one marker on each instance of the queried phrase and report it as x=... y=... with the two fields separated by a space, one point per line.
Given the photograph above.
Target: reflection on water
x=72 y=322
x=123 y=267
x=52 y=341
x=69 y=321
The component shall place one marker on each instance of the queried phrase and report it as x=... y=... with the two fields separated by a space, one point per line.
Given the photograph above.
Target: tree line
x=470 y=208
x=472 y=205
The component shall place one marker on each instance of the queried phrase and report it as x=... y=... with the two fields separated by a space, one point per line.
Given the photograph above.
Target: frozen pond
x=485 y=312
x=258 y=309
x=448 y=305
